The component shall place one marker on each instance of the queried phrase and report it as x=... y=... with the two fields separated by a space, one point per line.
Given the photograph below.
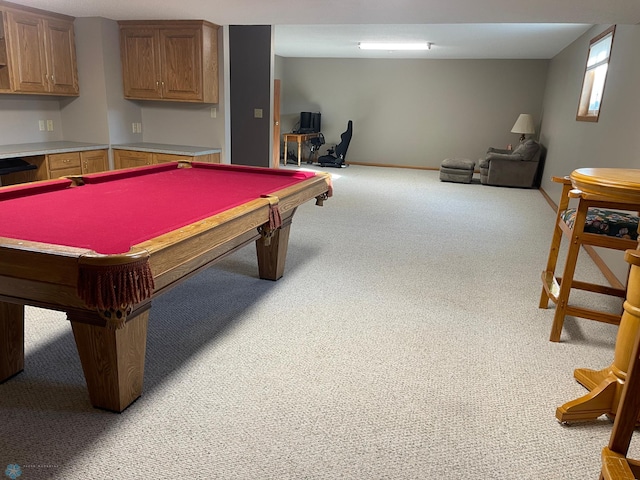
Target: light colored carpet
x=404 y=342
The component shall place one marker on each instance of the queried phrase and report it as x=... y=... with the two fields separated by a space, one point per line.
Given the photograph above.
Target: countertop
x=186 y=150
x=45 y=148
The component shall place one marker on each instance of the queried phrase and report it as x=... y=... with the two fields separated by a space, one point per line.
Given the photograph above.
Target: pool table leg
x=11 y=340
x=113 y=360
x=272 y=253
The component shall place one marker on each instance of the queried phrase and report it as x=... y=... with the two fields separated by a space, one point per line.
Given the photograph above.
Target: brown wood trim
x=389 y=165
x=174 y=24
x=37 y=11
x=384 y=165
x=551 y=203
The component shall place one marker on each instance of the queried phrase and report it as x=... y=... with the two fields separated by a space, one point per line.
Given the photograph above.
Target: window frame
x=584 y=114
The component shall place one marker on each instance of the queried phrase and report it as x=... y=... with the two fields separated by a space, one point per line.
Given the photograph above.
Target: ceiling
x=333 y=28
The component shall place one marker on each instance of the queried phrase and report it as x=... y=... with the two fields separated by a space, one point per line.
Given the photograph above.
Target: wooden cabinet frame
x=37 y=52
x=170 y=60
x=134 y=158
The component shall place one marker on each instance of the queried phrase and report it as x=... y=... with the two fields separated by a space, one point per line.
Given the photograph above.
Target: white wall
x=100 y=114
x=610 y=142
x=19 y=118
x=85 y=117
x=413 y=112
x=188 y=123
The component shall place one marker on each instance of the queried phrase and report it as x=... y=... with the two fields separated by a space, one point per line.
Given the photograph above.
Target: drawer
x=64 y=160
x=63 y=172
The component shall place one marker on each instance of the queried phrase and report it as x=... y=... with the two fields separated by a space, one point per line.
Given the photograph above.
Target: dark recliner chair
x=336 y=156
x=520 y=167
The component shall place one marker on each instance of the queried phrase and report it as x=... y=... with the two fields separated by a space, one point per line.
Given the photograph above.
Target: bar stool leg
x=606 y=385
x=569 y=271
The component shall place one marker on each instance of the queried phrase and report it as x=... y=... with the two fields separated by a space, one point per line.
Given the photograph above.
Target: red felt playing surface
x=115 y=211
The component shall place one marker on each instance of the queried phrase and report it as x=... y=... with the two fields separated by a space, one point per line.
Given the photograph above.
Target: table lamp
x=524 y=125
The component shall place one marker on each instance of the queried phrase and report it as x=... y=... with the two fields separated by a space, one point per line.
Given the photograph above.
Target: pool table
x=100 y=247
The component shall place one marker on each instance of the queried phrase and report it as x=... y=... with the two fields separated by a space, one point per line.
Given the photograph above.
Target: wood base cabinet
x=77 y=163
x=37 y=52
x=94 y=161
x=56 y=165
x=132 y=158
x=170 y=60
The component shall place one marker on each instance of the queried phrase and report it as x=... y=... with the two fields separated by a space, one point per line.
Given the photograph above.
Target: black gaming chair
x=336 y=156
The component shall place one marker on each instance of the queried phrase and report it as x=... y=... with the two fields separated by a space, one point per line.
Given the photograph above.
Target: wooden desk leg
x=606 y=385
x=284 y=157
x=299 y=150
x=11 y=340
x=113 y=361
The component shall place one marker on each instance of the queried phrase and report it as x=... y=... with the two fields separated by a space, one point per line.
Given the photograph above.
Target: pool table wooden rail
x=43 y=275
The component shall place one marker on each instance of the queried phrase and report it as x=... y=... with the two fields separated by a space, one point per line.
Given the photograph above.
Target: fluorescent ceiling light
x=395 y=46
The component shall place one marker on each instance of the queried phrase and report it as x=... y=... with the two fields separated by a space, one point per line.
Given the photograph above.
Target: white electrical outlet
x=134 y=128
x=214 y=112
x=49 y=125
x=41 y=125
x=138 y=127
x=257 y=113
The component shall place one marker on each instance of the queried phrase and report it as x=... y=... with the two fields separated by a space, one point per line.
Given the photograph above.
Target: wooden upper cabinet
x=61 y=58
x=40 y=52
x=140 y=63
x=170 y=60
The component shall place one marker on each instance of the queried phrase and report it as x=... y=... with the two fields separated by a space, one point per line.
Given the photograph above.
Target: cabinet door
x=208 y=158
x=181 y=61
x=61 y=58
x=94 y=161
x=129 y=159
x=140 y=63
x=167 y=157
x=27 y=52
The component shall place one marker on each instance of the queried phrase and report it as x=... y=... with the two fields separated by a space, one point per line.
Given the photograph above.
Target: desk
x=605 y=386
x=300 y=138
x=100 y=247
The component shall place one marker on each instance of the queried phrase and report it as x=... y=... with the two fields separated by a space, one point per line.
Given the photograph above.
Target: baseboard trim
x=597 y=259
x=389 y=165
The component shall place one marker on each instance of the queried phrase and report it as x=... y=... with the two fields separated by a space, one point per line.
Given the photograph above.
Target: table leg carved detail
x=606 y=385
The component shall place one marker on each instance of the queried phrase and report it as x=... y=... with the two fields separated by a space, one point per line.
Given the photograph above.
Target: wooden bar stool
x=621 y=186
x=615 y=464
x=596 y=221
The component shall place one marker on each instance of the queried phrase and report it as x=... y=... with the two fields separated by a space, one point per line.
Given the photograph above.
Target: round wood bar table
x=605 y=386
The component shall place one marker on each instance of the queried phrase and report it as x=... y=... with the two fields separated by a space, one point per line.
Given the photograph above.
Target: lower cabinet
x=63 y=164
x=56 y=165
x=94 y=161
x=132 y=158
x=77 y=163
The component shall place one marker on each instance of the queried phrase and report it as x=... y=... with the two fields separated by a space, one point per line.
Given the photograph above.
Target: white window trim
x=584 y=114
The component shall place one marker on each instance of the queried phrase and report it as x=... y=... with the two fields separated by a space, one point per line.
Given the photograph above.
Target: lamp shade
x=524 y=124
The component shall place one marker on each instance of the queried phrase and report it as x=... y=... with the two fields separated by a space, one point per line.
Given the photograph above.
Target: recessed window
x=595 y=75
